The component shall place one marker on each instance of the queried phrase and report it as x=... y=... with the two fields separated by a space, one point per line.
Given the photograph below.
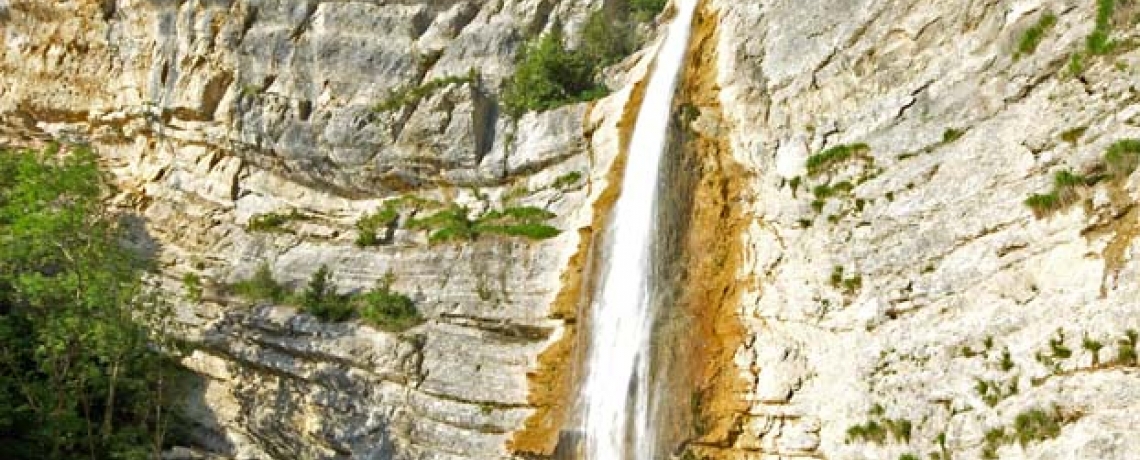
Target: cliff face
x=898 y=297
x=212 y=113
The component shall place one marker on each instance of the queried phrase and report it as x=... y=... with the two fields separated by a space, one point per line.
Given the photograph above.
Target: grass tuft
x=827 y=159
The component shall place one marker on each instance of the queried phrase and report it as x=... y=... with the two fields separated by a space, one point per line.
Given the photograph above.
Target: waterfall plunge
x=616 y=392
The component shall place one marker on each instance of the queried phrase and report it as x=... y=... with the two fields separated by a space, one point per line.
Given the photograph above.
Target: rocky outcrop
x=926 y=310
x=213 y=113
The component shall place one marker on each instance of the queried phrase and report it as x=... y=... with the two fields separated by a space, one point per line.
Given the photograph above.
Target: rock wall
x=925 y=309
x=210 y=113
x=903 y=300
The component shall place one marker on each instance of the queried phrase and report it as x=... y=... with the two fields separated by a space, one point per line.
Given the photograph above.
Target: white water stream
x=616 y=421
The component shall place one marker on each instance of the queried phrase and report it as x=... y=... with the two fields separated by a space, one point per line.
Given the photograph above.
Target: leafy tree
x=79 y=377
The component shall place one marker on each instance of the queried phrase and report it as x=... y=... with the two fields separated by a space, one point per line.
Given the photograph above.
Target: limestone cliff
x=896 y=298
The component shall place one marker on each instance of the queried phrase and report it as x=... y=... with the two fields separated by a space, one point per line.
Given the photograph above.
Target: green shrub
x=1123 y=156
x=951 y=135
x=273 y=222
x=644 y=10
x=369 y=226
x=548 y=76
x=1126 y=349
x=1099 y=41
x=1073 y=135
x=192 y=284
x=1036 y=425
x=1066 y=186
x=321 y=300
x=261 y=287
x=1076 y=64
x=908 y=457
x=455 y=224
x=1032 y=36
x=831 y=157
x=567 y=180
x=388 y=310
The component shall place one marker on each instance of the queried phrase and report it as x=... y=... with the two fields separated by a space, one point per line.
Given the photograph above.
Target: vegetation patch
x=567 y=181
x=1031 y=426
x=410 y=96
x=1100 y=40
x=380 y=307
x=826 y=160
x=1123 y=157
x=1066 y=191
x=262 y=286
x=550 y=75
x=1033 y=35
x=456 y=224
x=879 y=429
x=1073 y=135
x=273 y=222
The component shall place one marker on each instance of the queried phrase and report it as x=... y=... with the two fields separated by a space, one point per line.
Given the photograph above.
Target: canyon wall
x=896 y=298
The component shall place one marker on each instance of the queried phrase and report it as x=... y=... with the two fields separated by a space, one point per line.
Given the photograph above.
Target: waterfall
x=616 y=422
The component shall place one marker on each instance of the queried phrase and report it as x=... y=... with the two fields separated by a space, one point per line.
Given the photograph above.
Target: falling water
x=616 y=399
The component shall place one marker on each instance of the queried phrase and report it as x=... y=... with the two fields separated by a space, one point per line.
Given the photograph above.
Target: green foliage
x=455 y=224
x=192 y=285
x=410 y=96
x=1043 y=204
x=1066 y=186
x=369 y=226
x=951 y=135
x=1076 y=64
x=1126 y=349
x=1123 y=157
x=386 y=309
x=1036 y=425
x=1092 y=346
x=1033 y=35
x=908 y=457
x=644 y=10
x=548 y=76
x=1073 y=135
x=79 y=374
x=1099 y=41
x=321 y=300
x=878 y=430
x=262 y=286
x=273 y=222
x=827 y=159
x=567 y=180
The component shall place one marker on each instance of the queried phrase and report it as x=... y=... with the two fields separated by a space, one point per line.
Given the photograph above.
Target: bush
x=455 y=224
x=1123 y=156
x=388 y=310
x=1036 y=425
x=644 y=10
x=567 y=180
x=1099 y=41
x=831 y=157
x=321 y=300
x=192 y=284
x=273 y=222
x=261 y=287
x=369 y=226
x=1032 y=36
x=548 y=76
